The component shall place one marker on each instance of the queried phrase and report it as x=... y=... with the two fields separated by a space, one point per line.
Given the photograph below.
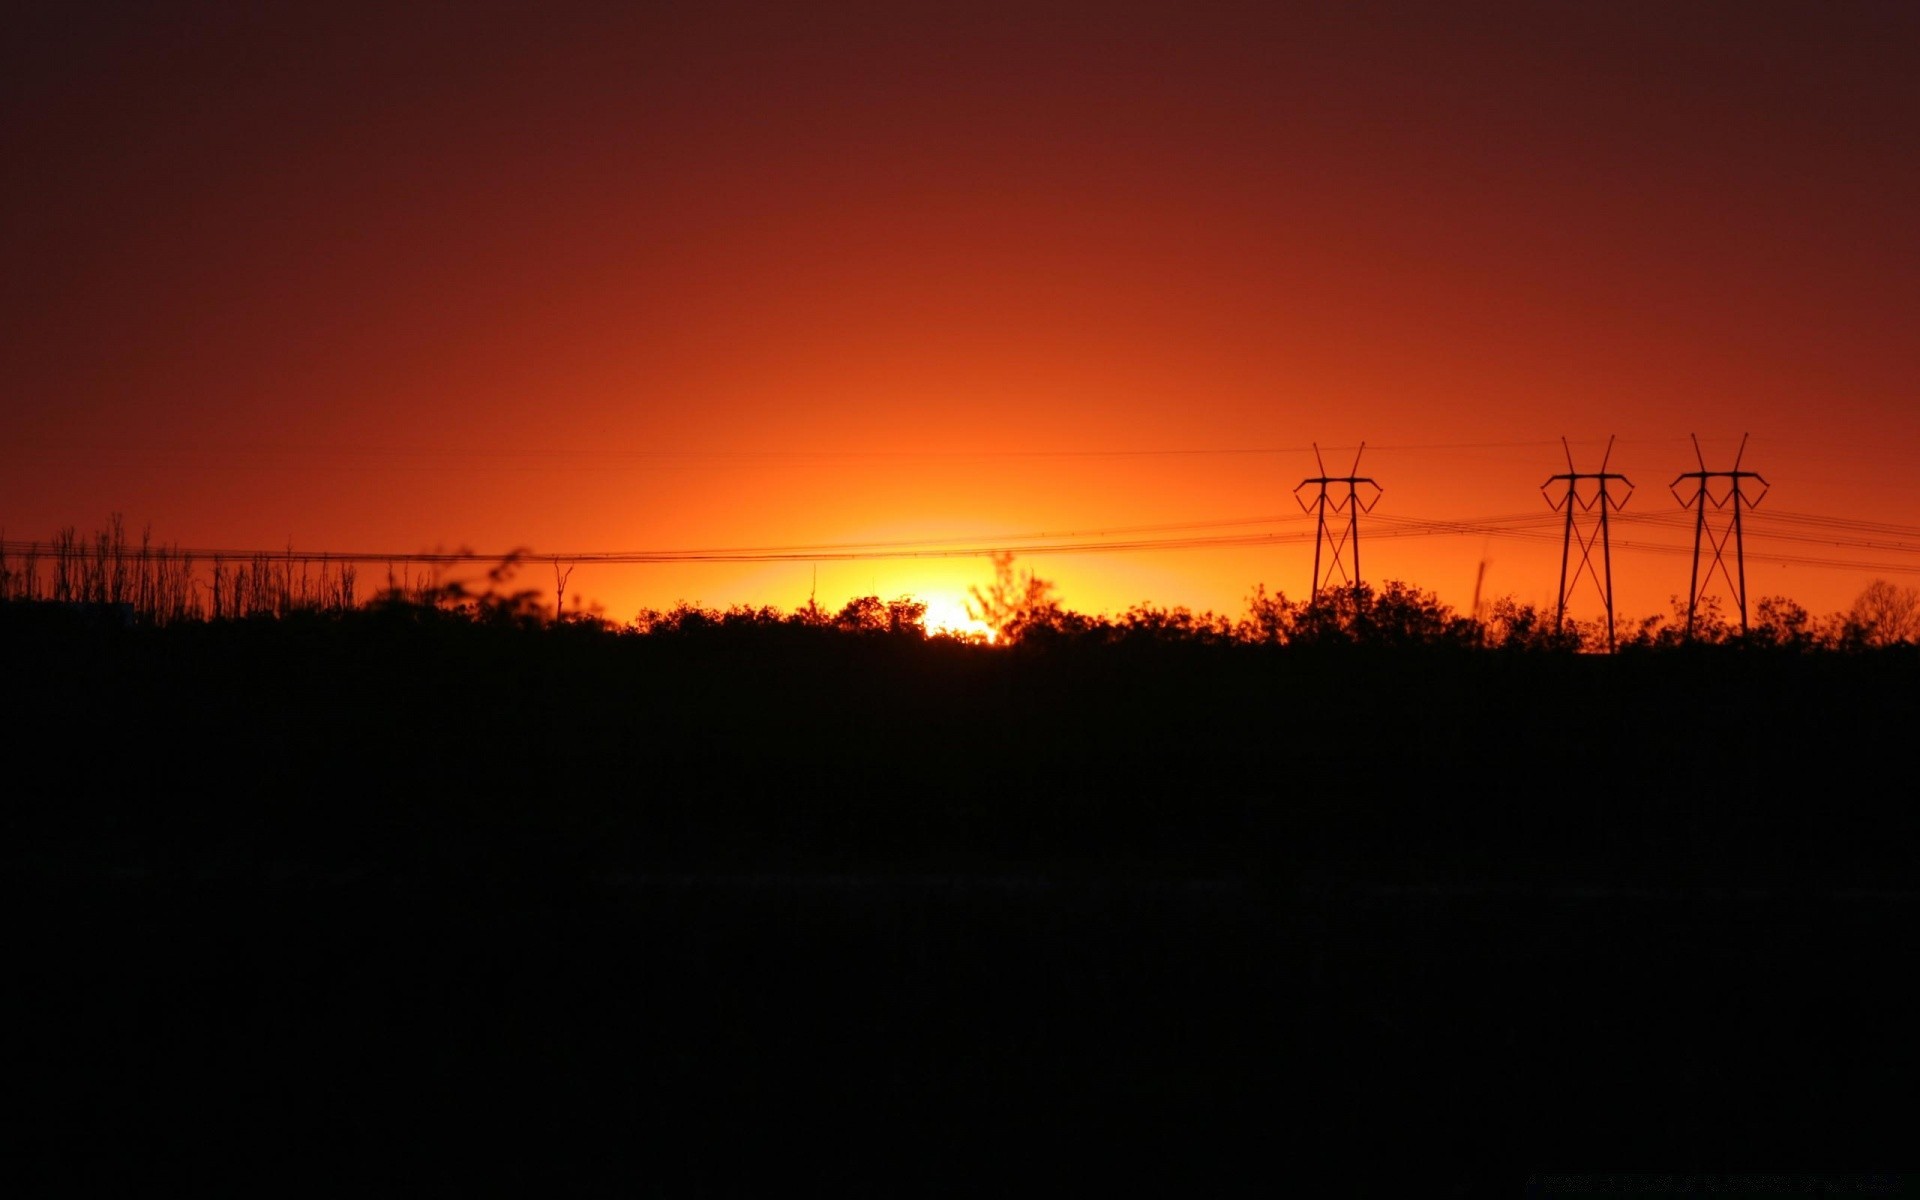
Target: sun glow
x=946 y=615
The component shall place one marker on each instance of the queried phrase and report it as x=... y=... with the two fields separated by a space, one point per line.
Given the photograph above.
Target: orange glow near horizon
x=946 y=615
x=592 y=279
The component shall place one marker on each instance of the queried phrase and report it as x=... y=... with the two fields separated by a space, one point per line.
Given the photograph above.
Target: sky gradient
x=589 y=278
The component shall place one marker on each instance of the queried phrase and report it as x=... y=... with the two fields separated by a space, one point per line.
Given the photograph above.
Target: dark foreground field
x=386 y=906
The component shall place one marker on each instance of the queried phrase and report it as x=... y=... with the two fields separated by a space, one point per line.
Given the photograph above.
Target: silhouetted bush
x=151 y=584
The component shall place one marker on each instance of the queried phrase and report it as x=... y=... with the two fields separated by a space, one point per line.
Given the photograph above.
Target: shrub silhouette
x=152 y=584
x=1513 y=626
x=902 y=615
x=1397 y=615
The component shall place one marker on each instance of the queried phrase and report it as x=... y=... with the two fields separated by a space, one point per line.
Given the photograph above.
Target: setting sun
x=946 y=615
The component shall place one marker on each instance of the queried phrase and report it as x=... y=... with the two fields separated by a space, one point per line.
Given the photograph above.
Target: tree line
x=141 y=582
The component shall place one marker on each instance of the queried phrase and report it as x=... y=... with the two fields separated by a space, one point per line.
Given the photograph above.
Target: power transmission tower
x=1343 y=544
x=1731 y=501
x=1599 y=501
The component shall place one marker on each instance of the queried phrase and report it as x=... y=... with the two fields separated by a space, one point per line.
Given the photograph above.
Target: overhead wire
x=1761 y=529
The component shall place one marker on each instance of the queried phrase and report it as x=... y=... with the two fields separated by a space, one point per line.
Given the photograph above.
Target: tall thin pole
x=1345 y=545
x=1572 y=501
x=1606 y=542
x=1735 y=500
x=1566 y=549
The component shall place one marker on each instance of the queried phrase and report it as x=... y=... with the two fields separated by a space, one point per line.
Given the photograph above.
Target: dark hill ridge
x=415 y=904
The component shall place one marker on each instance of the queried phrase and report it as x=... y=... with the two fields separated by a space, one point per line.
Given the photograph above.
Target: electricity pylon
x=1732 y=501
x=1599 y=501
x=1342 y=544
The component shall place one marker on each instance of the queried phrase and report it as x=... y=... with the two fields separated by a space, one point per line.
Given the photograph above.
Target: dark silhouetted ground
x=393 y=905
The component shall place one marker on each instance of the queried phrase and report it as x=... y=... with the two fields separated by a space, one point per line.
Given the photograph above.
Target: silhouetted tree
x=1887 y=613
x=1150 y=622
x=1269 y=619
x=1511 y=625
x=862 y=614
x=1782 y=624
x=751 y=616
x=902 y=615
x=1398 y=614
x=682 y=618
x=811 y=614
x=1016 y=603
x=908 y=616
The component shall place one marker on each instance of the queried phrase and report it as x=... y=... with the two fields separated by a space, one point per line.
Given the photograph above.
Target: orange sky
x=638 y=277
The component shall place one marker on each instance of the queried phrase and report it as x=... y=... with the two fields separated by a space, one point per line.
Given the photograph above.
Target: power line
x=1763 y=528
x=420 y=453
